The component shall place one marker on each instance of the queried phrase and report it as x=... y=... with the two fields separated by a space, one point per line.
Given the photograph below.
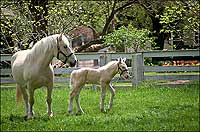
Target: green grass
x=147 y=107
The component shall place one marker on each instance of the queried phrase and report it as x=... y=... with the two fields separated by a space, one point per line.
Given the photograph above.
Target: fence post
x=137 y=69
x=102 y=62
x=108 y=57
x=104 y=58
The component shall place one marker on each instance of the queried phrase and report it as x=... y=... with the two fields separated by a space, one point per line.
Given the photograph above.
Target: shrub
x=129 y=37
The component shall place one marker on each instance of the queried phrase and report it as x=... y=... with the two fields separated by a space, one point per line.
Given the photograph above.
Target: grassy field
x=147 y=107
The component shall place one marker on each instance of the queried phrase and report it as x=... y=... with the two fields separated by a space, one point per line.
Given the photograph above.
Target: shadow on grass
x=43 y=118
x=19 y=118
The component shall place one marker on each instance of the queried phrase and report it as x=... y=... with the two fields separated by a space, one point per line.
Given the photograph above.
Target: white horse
x=102 y=76
x=31 y=69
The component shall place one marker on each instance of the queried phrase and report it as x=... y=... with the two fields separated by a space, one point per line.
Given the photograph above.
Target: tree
x=114 y=11
x=111 y=8
x=39 y=11
x=135 y=16
x=129 y=37
x=27 y=23
x=181 y=19
x=35 y=19
x=155 y=8
x=6 y=30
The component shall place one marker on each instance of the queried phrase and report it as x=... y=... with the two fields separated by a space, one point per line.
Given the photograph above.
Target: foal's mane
x=109 y=64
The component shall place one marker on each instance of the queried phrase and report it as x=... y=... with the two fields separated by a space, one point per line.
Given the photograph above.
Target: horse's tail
x=18 y=94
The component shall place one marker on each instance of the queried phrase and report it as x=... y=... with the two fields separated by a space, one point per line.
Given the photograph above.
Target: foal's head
x=123 y=69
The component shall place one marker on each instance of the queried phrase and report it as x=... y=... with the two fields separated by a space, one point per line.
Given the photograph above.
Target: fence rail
x=137 y=68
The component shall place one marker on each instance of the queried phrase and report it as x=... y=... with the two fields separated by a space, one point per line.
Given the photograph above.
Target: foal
x=102 y=76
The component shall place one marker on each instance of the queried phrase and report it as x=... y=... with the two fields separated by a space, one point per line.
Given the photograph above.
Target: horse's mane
x=45 y=45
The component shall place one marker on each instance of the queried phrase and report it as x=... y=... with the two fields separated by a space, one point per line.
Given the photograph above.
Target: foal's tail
x=18 y=94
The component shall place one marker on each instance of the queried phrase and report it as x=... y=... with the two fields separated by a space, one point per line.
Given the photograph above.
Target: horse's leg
x=103 y=95
x=112 y=91
x=49 y=100
x=31 y=101
x=25 y=97
x=79 y=111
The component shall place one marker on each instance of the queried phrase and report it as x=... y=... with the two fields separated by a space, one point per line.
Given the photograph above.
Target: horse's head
x=123 y=69
x=65 y=53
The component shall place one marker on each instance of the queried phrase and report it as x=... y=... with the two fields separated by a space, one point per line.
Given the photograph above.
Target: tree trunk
x=160 y=37
x=110 y=18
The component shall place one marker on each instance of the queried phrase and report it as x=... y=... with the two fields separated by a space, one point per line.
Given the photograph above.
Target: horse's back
x=17 y=65
x=19 y=57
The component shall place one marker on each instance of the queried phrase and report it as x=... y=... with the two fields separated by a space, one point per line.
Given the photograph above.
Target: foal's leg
x=112 y=91
x=79 y=111
x=72 y=95
x=103 y=95
x=49 y=100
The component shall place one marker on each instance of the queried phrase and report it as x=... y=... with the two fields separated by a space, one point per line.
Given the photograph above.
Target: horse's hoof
x=79 y=113
x=30 y=117
x=50 y=114
x=103 y=111
x=25 y=117
x=70 y=112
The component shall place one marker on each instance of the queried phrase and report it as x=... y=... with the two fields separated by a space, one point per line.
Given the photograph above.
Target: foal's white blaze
x=102 y=76
x=123 y=69
x=31 y=69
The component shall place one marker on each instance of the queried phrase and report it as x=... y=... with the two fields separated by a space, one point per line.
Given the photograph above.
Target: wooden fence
x=137 y=68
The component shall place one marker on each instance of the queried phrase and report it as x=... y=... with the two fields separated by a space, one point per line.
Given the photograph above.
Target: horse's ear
x=60 y=37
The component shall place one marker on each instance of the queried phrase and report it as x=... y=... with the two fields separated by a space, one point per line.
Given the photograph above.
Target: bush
x=129 y=37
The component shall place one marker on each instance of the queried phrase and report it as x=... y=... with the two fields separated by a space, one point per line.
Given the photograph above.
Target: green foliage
x=136 y=16
x=180 y=17
x=147 y=108
x=66 y=15
x=21 y=24
x=129 y=37
x=58 y=17
x=63 y=16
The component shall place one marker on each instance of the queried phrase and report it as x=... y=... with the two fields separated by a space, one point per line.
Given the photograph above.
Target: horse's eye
x=65 y=46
